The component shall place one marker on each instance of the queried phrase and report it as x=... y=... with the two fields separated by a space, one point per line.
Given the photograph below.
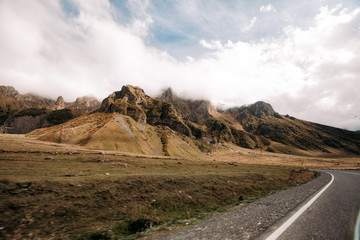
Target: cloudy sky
x=303 y=57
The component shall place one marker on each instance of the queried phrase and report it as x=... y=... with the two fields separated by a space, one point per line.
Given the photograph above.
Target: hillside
x=22 y=113
x=131 y=121
x=260 y=119
x=259 y=126
x=114 y=131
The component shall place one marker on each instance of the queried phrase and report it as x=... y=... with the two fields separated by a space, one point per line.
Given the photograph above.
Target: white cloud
x=311 y=73
x=142 y=20
x=267 y=8
x=212 y=45
x=250 y=25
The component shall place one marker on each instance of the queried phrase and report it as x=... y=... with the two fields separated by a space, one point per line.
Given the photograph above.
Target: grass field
x=51 y=190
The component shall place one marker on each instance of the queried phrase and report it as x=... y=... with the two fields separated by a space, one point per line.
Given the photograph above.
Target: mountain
x=196 y=110
x=133 y=101
x=130 y=120
x=22 y=113
x=262 y=127
x=286 y=131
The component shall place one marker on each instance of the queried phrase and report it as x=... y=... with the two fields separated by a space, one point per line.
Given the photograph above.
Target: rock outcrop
x=133 y=101
x=20 y=113
x=60 y=103
x=84 y=105
x=8 y=91
x=195 y=110
x=261 y=109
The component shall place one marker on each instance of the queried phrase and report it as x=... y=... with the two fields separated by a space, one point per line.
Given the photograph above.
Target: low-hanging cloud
x=310 y=73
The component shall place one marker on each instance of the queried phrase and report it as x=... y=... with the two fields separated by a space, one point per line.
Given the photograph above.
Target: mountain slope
x=114 y=131
x=261 y=120
x=259 y=126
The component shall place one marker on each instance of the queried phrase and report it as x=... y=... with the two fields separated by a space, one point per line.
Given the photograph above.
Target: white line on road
x=357 y=228
x=292 y=219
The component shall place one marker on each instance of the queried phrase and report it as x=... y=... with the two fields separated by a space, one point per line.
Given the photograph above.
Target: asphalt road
x=331 y=216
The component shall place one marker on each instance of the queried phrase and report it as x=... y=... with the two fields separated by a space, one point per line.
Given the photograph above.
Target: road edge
x=278 y=228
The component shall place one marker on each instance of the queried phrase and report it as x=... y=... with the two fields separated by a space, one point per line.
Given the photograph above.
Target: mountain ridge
x=22 y=113
x=168 y=119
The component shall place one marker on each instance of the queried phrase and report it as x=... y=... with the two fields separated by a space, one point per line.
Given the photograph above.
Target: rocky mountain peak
x=8 y=91
x=196 y=110
x=60 y=103
x=133 y=101
x=261 y=109
x=168 y=95
x=87 y=102
x=131 y=93
x=129 y=101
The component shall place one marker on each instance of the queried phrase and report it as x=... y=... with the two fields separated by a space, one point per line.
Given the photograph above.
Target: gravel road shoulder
x=249 y=221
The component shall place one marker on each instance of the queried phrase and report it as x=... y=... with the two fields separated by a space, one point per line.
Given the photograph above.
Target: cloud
x=310 y=73
x=250 y=25
x=212 y=45
x=142 y=20
x=267 y=8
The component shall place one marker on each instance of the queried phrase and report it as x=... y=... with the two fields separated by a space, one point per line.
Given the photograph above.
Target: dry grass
x=312 y=161
x=56 y=190
x=113 y=131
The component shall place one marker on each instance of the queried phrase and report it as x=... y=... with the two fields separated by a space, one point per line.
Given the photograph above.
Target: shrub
x=164 y=141
x=60 y=116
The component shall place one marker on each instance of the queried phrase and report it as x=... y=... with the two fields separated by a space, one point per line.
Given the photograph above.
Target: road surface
x=332 y=215
x=316 y=212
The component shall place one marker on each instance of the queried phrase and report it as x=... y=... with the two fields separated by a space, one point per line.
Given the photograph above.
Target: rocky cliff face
x=196 y=110
x=133 y=101
x=8 y=91
x=259 y=109
x=60 y=103
x=84 y=105
x=25 y=124
x=19 y=112
x=25 y=100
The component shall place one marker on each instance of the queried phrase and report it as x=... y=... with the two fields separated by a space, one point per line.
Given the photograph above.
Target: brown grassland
x=61 y=191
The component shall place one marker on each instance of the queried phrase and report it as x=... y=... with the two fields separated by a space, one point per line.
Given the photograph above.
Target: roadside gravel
x=248 y=221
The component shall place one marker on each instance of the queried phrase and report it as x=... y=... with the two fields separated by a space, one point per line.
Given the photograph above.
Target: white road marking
x=292 y=219
x=357 y=228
